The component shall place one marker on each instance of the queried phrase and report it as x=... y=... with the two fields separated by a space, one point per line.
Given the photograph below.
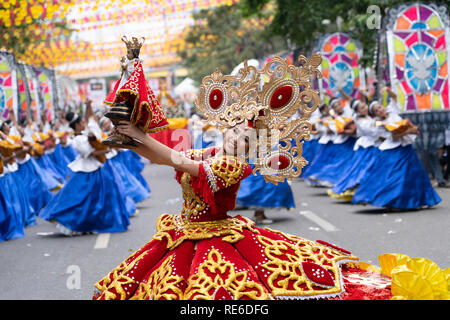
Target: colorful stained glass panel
x=6 y=86
x=340 y=67
x=417 y=52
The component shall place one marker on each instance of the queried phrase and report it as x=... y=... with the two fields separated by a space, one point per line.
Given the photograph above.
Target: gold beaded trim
x=229 y=229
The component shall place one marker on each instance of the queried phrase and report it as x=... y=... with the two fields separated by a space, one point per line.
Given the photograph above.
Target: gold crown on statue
x=134 y=43
x=265 y=100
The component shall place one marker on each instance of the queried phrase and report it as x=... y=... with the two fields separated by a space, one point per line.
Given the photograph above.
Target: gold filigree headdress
x=134 y=43
x=266 y=99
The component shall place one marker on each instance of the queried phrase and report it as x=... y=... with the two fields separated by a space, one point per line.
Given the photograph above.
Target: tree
x=222 y=38
x=24 y=24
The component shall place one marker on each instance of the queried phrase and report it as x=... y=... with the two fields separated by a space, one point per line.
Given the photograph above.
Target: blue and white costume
x=60 y=160
x=323 y=148
x=18 y=192
x=92 y=200
x=311 y=146
x=397 y=179
x=365 y=154
x=333 y=156
x=34 y=186
x=11 y=222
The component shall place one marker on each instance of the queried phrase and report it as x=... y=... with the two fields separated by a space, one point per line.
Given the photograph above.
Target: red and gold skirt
x=231 y=259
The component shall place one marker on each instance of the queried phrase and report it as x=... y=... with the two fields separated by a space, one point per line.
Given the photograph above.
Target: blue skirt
x=255 y=192
x=362 y=161
x=133 y=187
x=135 y=169
x=323 y=154
x=11 y=224
x=60 y=161
x=48 y=172
x=38 y=192
x=338 y=159
x=309 y=151
x=397 y=180
x=132 y=160
x=90 y=202
x=20 y=198
x=135 y=166
x=130 y=205
x=69 y=152
x=142 y=181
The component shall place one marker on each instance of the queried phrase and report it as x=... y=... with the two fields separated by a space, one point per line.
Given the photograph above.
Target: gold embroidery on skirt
x=214 y=273
x=119 y=280
x=285 y=258
x=231 y=229
x=162 y=283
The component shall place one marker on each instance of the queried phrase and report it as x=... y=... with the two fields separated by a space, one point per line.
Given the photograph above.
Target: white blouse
x=389 y=142
x=336 y=137
x=22 y=161
x=84 y=162
x=315 y=116
x=11 y=167
x=339 y=138
x=94 y=128
x=367 y=132
x=111 y=154
x=14 y=132
x=322 y=129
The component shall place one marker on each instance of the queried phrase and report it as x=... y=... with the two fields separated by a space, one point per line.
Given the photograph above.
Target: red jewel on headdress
x=281 y=96
x=317 y=274
x=279 y=162
x=215 y=98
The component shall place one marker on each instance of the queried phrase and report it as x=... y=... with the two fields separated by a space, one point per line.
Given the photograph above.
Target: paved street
x=46 y=265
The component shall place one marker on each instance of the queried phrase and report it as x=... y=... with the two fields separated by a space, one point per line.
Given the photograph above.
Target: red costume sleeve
x=216 y=174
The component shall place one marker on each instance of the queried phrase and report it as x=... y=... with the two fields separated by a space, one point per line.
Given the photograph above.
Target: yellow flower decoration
x=415 y=278
x=447 y=276
x=411 y=286
x=389 y=261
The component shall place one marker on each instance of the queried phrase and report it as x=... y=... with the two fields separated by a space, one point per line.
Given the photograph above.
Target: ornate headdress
x=134 y=43
x=266 y=99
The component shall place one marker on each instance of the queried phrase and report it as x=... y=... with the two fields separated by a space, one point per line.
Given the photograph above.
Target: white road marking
x=102 y=241
x=318 y=220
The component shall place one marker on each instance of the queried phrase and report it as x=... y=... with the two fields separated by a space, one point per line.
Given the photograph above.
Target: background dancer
x=397 y=179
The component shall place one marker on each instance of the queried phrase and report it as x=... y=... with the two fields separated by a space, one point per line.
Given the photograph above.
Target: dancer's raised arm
x=157 y=152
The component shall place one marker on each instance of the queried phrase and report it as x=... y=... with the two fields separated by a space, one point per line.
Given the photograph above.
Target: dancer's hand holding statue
x=130 y=130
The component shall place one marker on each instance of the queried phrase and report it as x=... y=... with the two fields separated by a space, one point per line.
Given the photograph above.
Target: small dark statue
x=122 y=111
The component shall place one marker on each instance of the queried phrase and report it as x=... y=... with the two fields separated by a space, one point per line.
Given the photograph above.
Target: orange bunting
x=50 y=46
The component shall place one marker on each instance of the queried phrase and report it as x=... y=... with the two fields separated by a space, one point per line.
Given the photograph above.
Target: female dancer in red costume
x=203 y=253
